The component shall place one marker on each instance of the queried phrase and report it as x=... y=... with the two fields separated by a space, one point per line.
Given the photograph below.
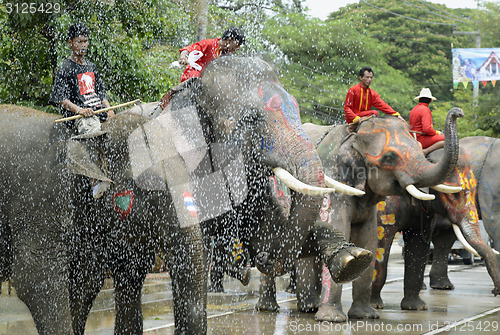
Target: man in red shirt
x=360 y=99
x=197 y=56
x=421 y=123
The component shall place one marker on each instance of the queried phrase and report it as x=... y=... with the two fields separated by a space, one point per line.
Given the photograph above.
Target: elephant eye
x=389 y=158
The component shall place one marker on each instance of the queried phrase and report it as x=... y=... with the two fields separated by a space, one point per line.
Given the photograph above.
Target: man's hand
x=351 y=127
x=401 y=118
x=183 y=58
x=86 y=112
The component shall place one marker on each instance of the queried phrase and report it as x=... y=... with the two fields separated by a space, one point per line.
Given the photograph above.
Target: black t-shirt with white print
x=80 y=84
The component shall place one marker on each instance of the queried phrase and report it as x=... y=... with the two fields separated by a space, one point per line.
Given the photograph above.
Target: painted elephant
x=482 y=153
x=61 y=239
x=382 y=158
x=422 y=221
x=250 y=110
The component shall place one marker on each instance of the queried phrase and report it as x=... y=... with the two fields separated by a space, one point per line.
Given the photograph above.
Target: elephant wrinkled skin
x=382 y=158
x=415 y=220
x=62 y=239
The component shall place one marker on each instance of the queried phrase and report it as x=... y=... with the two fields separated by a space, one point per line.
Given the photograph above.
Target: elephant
x=61 y=239
x=483 y=153
x=382 y=158
x=480 y=151
x=422 y=222
x=262 y=120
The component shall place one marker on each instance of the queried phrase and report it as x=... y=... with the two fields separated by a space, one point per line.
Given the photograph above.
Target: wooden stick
x=74 y=117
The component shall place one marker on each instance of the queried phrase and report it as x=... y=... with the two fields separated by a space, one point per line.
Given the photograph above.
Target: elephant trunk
x=491 y=259
x=438 y=172
x=304 y=208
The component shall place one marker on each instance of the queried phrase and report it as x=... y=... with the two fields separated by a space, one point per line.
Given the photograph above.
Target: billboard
x=476 y=64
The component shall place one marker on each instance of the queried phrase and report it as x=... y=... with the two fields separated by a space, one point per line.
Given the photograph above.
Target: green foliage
x=321 y=60
x=126 y=37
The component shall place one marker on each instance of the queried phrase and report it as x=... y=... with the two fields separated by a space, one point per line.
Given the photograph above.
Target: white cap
x=425 y=93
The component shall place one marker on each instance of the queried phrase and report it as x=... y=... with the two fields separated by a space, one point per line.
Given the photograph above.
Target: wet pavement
x=469 y=309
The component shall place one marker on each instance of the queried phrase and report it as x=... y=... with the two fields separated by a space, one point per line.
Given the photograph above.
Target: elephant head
x=460 y=209
x=250 y=109
x=386 y=159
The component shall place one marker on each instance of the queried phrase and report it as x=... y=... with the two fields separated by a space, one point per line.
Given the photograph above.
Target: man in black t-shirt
x=78 y=88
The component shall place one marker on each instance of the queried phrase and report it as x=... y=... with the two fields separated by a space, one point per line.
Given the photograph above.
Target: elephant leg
x=267 y=300
x=330 y=308
x=292 y=286
x=438 y=276
x=381 y=261
x=86 y=280
x=416 y=252
x=364 y=235
x=39 y=274
x=128 y=304
x=345 y=261
x=189 y=285
x=308 y=271
x=217 y=267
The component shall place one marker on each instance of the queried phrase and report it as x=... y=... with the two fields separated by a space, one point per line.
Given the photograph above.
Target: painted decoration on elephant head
x=282 y=193
x=123 y=201
x=463 y=203
x=276 y=99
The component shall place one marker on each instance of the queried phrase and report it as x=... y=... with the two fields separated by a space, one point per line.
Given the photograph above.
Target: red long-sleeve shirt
x=359 y=101
x=210 y=49
x=421 y=121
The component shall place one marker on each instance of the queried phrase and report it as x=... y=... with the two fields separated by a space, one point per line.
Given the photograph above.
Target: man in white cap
x=421 y=123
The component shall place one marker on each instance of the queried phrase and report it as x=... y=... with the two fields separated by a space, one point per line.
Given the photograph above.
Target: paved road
x=469 y=309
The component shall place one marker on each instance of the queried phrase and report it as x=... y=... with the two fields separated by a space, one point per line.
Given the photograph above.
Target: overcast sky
x=321 y=8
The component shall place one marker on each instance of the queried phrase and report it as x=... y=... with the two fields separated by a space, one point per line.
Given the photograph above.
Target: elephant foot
x=362 y=311
x=330 y=313
x=413 y=304
x=244 y=276
x=349 y=263
x=308 y=306
x=267 y=304
x=377 y=302
x=442 y=283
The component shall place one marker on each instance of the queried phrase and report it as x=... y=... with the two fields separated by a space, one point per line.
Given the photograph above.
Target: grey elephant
x=483 y=153
x=382 y=158
x=60 y=240
x=267 y=130
x=422 y=222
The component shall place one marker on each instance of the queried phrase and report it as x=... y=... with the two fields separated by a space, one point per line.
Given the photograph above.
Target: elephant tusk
x=342 y=188
x=495 y=251
x=298 y=186
x=447 y=188
x=462 y=240
x=415 y=192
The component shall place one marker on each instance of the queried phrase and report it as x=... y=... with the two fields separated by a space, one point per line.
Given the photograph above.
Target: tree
x=321 y=60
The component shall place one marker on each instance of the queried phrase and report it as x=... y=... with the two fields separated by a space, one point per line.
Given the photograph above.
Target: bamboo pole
x=74 y=117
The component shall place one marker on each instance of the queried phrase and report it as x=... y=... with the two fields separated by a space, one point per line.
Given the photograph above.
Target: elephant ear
x=350 y=167
x=82 y=155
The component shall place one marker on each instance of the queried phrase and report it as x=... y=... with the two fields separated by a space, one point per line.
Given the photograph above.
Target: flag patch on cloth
x=190 y=204
x=123 y=202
